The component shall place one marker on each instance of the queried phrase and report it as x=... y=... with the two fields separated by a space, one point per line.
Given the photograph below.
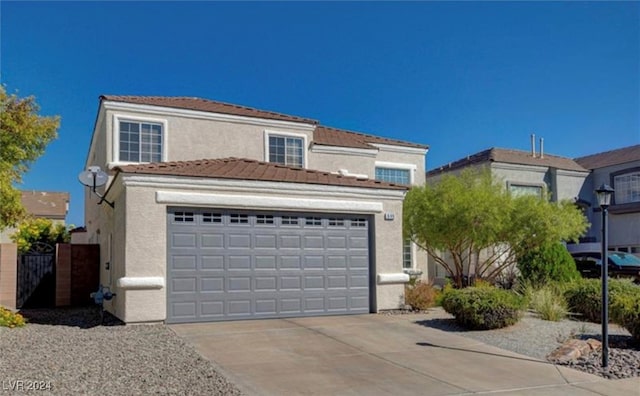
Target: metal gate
x=36 y=277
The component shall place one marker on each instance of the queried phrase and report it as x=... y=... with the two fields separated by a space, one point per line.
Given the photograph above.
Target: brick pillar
x=63 y=274
x=8 y=274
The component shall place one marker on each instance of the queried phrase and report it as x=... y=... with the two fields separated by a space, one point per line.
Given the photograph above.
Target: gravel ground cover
x=67 y=351
x=537 y=338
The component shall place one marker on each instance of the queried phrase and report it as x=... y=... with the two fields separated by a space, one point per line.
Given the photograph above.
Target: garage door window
x=358 y=223
x=313 y=221
x=336 y=223
x=212 y=218
x=183 y=217
x=289 y=220
x=264 y=219
x=239 y=219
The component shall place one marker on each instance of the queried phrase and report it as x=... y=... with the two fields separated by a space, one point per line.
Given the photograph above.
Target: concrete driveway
x=377 y=355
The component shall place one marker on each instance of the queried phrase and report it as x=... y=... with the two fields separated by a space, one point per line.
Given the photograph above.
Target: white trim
x=204 y=115
x=518 y=167
x=322 y=149
x=399 y=277
x=141 y=282
x=253 y=186
x=400 y=149
x=270 y=132
x=565 y=172
x=115 y=135
x=261 y=202
x=412 y=168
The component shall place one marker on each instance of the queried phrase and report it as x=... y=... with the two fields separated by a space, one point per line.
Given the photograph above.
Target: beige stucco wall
x=144 y=245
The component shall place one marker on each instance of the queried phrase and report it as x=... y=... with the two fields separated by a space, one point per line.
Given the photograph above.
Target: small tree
x=481 y=225
x=38 y=230
x=23 y=137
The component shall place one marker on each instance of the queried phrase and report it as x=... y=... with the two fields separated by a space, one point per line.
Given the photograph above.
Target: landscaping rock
x=573 y=349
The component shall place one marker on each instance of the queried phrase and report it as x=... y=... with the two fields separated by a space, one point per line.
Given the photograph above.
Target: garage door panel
x=212 y=240
x=212 y=262
x=239 y=262
x=212 y=285
x=266 y=265
x=265 y=262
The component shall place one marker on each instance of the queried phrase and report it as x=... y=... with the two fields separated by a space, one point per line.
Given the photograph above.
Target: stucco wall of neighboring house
x=624 y=228
x=145 y=242
x=522 y=175
x=567 y=184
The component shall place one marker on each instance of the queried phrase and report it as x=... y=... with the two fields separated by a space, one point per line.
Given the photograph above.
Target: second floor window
x=140 y=142
x=286 y=150
x=627 y=187
x=393 y=175
x=518 y=190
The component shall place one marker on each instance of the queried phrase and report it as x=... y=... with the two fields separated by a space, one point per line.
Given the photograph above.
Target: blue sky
x=458 y=76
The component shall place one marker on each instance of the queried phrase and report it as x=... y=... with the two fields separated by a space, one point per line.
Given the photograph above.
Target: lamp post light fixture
x=604 y=194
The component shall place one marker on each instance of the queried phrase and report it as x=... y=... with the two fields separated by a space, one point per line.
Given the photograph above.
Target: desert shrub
x=483 y=308
x=420 y=296
x=39 y=230
x=625 y=311
x=549 y=263
x=547 y=301
x=10 y=319
x=584 y=297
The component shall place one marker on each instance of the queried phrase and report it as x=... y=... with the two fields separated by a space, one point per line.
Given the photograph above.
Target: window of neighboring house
x=140 y=141
x=627 y=187
x=286 y=150
x=393 y=175
x=519 y=190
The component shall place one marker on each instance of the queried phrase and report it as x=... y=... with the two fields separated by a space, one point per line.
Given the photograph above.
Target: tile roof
x=322 y=135
x=609 y=158
x=339 y=137
x=211 y=106
x=246 y=169
x=510 y=157
x=51 y=205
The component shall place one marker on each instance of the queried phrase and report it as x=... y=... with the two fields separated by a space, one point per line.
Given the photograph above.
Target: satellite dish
x=93 y=177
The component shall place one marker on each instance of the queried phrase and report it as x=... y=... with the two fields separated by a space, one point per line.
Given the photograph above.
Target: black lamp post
x=604 y=194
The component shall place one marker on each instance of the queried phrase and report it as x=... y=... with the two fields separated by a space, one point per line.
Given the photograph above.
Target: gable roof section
x=508 y=156
x=245 y=169
x=210 y=106
x=339 y=137
x=609 y=158
x=322 y=135
x=50 y=205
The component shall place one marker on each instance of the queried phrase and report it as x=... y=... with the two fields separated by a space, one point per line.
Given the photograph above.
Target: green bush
x=420 y=296
x=625 y=311
x=38 y=230
x=584 y=296
x=483 y=308
x=549 y=263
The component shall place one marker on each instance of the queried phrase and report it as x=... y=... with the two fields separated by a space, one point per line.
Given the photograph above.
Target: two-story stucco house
x=523 y=172
x=49 y=205
x=621 y=170
x=227 y=212
x=563 y=178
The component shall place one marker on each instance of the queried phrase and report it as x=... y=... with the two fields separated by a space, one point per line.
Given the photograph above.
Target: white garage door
x=225 y=264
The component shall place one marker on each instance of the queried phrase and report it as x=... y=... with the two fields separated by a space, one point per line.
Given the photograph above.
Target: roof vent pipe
x=541 y=148
x=533 y=145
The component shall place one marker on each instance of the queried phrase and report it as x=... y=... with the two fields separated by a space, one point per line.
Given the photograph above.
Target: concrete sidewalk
x=378 y=355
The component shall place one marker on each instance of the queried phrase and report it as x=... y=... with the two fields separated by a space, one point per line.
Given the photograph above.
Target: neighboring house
x=228 y=212
x=42 y=204
x=564 y=178
x=523 y=172
x=621 y=170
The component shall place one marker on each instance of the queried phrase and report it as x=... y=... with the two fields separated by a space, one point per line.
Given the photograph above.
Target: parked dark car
x=621 y=264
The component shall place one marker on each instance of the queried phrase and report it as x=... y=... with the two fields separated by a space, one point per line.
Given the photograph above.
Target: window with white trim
x=407 y=257
x=286 y=150
x=627 y=187
x=140 y=141
x=393 y=175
